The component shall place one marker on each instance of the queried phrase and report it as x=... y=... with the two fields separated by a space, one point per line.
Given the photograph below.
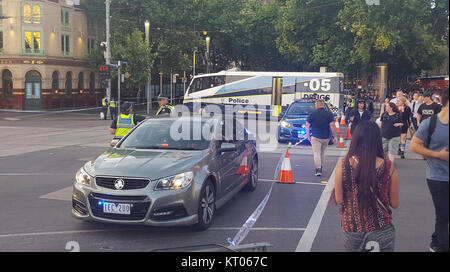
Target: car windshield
x=301 y=109
x=169 y=134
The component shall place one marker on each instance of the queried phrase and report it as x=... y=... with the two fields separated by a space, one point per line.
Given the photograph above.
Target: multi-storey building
x=44 y=46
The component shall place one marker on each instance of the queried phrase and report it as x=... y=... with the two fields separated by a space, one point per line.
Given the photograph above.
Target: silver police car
x=168 y=172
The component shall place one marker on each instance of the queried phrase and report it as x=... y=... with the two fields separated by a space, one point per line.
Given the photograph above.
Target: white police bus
x=268 y=92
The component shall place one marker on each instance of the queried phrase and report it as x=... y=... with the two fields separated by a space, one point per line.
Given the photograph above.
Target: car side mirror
x=227 y=147
x=113 y=143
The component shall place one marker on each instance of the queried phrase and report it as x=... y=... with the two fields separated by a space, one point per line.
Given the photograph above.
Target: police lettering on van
x=238 y=100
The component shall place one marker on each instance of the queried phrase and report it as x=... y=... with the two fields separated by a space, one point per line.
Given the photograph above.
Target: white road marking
x=307 y=239
x=263 y=229
x=63 y=194
x=297 y=182
x=11 y=119
x=13 y=235
x=31 y=234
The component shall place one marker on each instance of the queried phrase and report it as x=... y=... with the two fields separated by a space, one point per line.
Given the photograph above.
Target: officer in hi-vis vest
x=104 y=107
x=113 y=109
x=165 y=109
x=121 y=125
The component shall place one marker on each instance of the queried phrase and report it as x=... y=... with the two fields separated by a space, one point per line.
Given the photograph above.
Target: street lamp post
x=193 y=64
x=108 y=50
x=208 y=40
x=160 y=82
x=149 y=84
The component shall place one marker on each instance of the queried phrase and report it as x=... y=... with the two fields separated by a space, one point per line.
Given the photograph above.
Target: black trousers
x=105 y=111
x=439 y=194
x=414 y=122
x=113 y=112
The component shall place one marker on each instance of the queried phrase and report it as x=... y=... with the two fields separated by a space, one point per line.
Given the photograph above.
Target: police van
x=264 y=93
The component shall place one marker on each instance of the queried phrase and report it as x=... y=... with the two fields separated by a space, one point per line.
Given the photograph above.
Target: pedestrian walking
x=358 y=115
x=431 y=140
x=105 y=104
x=319 y=126
x=427 y=109
x=405 y=114
x=138 y=96
x=391 y=124
x=366 y=187
x=122 y=124
x=399 y=95
x=417 y=101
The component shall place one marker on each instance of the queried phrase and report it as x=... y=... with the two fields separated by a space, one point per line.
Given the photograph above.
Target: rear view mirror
x=227 y=147
x=113 y=143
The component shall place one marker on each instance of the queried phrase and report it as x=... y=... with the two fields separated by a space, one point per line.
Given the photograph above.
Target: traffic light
x=104 y=72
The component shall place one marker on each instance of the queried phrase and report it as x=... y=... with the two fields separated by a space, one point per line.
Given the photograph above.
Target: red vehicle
x=434 y=82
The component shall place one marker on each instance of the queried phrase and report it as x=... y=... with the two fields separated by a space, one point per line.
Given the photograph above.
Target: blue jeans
x=382 y=240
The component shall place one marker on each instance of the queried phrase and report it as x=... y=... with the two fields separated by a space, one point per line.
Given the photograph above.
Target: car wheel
x=206 y=207
x=252 y=177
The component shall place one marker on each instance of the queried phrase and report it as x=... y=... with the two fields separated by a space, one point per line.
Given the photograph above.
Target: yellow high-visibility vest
x=124 y=124
x=172 y=108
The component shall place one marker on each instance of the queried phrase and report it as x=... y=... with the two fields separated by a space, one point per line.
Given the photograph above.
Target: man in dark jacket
x=358 y=114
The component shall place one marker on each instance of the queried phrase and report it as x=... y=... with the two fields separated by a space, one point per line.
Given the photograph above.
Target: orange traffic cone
x=341 y=142
x=343 y=119
x=286 y=175
x=243 y=168
x=349 y=135
x=338 y=130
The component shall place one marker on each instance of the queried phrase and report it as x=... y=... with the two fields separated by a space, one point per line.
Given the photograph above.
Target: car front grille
x=140 y=206
x=130 y=183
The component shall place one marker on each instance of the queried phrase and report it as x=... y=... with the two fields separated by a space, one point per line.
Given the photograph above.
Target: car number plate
x=118 y=208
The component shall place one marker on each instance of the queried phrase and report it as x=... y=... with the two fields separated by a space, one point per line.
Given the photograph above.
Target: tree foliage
x=291 y=35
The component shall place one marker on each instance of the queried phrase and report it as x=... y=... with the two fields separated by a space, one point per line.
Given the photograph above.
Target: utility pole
x=108 y=51
x=149 y=81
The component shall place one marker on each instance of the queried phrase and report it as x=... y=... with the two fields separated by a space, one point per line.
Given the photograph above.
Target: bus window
x=203 y=83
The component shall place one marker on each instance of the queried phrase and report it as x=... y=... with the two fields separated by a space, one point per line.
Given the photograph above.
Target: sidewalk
x=413 y=220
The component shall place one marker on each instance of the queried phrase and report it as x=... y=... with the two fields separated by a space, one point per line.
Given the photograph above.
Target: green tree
x=138 y=55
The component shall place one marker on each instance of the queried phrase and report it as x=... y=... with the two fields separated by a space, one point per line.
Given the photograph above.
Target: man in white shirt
x=417 y=101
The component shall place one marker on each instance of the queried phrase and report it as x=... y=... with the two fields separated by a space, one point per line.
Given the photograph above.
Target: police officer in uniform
x=165 y=109
x=113 y=109
x=105 y=106
x=122 y=124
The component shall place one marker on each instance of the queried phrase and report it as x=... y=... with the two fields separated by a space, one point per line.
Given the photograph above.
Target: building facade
x=44 y=46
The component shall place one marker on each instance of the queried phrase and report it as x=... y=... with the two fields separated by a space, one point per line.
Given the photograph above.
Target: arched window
x=80 y=81
x=55 y=83
x=69 y=83
x=92 y=83
x=7 y=85
x=36 y=14
x=27 y=13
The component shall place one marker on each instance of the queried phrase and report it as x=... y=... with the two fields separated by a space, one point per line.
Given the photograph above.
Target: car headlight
x=83 y=177
x=177 y=182
x=285 y=124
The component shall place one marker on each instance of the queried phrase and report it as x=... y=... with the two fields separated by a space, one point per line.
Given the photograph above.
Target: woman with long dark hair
x=391 y=123
x=366 y=185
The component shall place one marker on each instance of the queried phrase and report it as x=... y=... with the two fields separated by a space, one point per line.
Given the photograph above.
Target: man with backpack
x=431 y=141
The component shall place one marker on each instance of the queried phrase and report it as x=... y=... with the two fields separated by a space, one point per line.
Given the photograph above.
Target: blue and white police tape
x=245 y=229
